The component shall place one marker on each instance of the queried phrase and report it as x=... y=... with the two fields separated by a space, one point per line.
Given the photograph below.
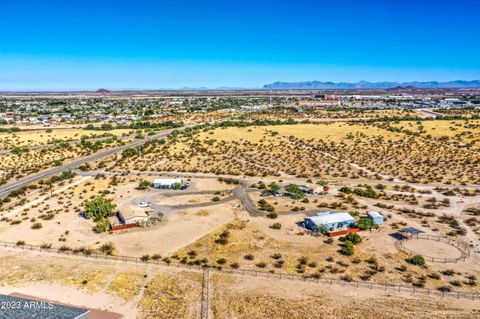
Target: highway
x=6 y=189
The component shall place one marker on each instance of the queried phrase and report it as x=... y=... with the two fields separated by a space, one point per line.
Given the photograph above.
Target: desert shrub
x=276 y=226
x=354 y=238
x=329 y=241
x=416 y=260
x=107 y=249
x=223 y=238
x=272 y=215
x=448 y=272
x=366 y=223
x=221 y=261
x=145 y=258
x=45 y=246
x=36 y=226
x=347 y=248
x=434 y=276
x=102 y=225
x=276 y=256
x=144 y=184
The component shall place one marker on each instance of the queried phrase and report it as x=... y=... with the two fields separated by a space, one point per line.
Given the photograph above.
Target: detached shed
x=166 y=182
x=375 y=217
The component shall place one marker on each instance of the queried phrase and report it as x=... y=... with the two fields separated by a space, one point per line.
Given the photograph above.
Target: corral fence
x=464 y=250
x=259 y=274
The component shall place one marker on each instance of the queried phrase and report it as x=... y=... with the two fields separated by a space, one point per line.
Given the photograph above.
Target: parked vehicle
x=143 y=204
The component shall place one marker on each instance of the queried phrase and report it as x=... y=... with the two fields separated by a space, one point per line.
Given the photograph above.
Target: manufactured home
x=166 y=183
x=329 y=221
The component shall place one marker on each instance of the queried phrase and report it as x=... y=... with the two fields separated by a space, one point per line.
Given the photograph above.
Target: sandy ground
x=176 y=231
x=432 y=248
x=40 y=199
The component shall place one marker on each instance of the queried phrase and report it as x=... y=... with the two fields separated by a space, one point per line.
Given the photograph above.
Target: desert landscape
x=209 y=217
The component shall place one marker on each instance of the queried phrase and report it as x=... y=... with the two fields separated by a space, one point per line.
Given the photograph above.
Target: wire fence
x=464 y=250
x=441 y=292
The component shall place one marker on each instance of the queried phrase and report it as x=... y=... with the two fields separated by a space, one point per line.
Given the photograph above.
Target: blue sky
x=61 y=45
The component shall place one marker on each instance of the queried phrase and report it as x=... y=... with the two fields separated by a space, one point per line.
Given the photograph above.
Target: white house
x=331 y=221
x=166 y=182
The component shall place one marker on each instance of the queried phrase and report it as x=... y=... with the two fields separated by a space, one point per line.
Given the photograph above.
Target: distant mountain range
x=370 y=85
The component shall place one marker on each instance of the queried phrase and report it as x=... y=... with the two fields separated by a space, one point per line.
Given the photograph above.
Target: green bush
x=354 y=238
x=294 y=191
x=416 y=260
x=347 y=248
x=366 y=223
x=346 y=190
x=99 y=208
x=144 y=184
x=102 y=225
x=272 y=215
x=37 y=226
x=276 y=226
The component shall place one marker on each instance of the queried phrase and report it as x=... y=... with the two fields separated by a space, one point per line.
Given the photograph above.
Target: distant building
x=330 y=221
x=166 y=183
x=454 y=102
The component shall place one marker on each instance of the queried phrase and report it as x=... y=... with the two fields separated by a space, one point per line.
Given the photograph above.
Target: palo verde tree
x=144 y=184
x=274 y=186
x=294 y=191
x=99 y=208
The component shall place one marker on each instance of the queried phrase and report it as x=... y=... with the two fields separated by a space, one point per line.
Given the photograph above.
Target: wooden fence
x=259 y=274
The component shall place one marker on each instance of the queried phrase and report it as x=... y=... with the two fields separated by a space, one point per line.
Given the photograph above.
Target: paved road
x=6 y=189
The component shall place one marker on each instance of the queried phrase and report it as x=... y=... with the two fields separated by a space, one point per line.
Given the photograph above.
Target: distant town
x=126 y=107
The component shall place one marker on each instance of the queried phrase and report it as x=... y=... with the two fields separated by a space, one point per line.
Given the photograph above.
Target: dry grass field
x=329 y=150
x=421 y=174
x=46 y=136
x=140 y=291
x=28 y=152
x=318 y=113
x=458 y=131
x=259 y=298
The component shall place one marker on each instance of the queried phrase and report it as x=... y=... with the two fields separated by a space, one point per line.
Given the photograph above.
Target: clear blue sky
x=120 y=44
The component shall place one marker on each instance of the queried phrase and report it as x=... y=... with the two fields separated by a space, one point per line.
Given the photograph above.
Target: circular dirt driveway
x=432 y=248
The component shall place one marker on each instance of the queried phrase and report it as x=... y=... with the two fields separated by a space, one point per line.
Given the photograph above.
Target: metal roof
x=331 y=218
x=167 y=181
x=411 y=230
x=374 y=214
